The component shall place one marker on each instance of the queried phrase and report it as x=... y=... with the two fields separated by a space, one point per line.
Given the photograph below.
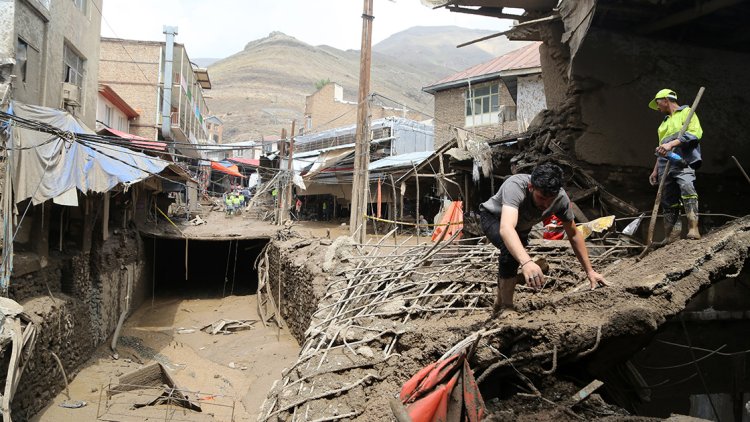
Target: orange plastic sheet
x=454 y=215
x=444 y=391
x=231 y=170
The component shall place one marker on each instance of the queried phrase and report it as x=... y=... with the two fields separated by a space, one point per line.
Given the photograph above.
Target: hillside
x=259 y=90
x=433 y=48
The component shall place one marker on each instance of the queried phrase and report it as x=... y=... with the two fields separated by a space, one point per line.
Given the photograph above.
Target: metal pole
x=360 y=183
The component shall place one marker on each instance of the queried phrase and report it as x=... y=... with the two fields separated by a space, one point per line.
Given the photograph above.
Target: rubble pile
x=390 y=310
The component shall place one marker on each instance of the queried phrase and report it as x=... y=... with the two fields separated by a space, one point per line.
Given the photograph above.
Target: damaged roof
x=522 y=61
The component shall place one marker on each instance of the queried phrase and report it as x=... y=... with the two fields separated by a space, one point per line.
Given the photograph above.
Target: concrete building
x=49 y=53
x=112 y=111
x=326 y=109
x=140 y=72
x=491 y=99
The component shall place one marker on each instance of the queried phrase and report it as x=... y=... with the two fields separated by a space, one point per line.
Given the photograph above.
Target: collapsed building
x=664 y=339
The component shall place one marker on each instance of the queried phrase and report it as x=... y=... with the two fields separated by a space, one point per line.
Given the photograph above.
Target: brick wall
x=134 y=75
x=450 y=112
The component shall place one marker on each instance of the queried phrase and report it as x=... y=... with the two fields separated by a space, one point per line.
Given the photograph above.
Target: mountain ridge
x=262 y=88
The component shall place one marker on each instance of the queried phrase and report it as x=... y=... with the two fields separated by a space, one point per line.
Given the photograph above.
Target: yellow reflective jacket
x=689 y=148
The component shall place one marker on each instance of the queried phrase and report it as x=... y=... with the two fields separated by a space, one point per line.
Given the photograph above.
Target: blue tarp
x=54 y=169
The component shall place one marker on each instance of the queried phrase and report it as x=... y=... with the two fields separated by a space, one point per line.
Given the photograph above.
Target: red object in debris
x=429 y=395
x=556 y=233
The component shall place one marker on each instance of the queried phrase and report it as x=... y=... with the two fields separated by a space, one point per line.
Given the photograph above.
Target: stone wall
x=88 y=293
x=302 y=283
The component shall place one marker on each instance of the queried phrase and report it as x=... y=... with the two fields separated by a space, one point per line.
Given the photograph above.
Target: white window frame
x=74 y=66
x=81 y=5
x=481 y=105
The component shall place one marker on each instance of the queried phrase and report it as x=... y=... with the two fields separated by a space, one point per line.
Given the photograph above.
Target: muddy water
x=228 y=373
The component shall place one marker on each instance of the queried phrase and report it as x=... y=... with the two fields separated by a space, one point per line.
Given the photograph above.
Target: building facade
x=326 y=109
x=49 y=53
x=137 y=71
x=112 y=111
x=492 y=99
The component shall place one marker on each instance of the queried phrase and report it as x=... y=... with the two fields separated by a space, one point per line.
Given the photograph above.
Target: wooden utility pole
x=361 y=184
x=290 y=171
x=279 y=197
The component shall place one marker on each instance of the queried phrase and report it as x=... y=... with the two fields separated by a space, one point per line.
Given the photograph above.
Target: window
x=108 y=115
x=482 y=105
x=22 y=55
x=80 y=5
x=122 y=124
x=72 y=67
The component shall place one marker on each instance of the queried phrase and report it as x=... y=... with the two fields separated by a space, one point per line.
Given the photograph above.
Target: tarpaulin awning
x=231 y=170
x=245 y=161
x=326 y=159
x=47 y=167
x=409 y=159
x=134 y=139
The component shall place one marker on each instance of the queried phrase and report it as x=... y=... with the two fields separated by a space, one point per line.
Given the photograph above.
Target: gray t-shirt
x=514 y=192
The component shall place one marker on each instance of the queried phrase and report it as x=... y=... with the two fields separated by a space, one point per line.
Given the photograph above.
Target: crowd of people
x=235 y=201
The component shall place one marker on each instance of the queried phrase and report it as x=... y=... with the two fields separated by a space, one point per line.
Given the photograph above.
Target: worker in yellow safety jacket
x=228 y=204
x=685 y=153
x=236 y=203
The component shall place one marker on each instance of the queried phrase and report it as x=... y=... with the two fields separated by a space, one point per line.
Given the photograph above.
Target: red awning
x=245 y=161
x=231 y=170
x=135 y=139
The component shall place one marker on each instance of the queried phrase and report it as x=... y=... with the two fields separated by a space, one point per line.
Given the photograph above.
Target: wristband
x=526 y=262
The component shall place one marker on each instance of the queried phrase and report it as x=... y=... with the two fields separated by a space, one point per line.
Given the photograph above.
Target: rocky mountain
x=259 y=90
x=433 y=48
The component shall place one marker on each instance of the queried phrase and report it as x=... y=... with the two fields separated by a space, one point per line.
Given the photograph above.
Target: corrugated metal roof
x=526 y=57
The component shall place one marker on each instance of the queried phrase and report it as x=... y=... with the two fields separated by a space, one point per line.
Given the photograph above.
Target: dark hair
x=548 y=178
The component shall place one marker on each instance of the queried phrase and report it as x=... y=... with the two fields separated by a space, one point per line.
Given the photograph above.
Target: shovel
x=633 y=226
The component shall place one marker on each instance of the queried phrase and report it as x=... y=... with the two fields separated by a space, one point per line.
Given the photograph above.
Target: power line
x=122 y=44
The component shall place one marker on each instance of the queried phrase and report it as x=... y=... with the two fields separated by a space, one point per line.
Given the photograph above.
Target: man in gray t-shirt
x=522 y=201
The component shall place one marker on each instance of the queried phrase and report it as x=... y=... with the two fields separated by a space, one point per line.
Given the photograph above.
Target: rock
x=366 y=352
x=232 y=365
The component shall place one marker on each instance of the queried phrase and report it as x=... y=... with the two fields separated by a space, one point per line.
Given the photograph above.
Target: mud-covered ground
x=564 y=325
x=227 y=373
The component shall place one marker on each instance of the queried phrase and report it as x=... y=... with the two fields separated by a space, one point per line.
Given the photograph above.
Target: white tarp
x=48 y=170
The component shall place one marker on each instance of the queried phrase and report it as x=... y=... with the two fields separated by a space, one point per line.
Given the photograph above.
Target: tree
x=321 y=83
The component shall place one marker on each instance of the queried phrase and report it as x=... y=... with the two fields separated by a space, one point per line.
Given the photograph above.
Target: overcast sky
x=220 y=28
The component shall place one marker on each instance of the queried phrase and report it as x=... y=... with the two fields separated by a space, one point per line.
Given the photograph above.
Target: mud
x=563 y=325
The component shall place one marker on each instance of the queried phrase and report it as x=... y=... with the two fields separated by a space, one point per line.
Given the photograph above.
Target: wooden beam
x=687 y=15
x=495 y=12
x=105 y=218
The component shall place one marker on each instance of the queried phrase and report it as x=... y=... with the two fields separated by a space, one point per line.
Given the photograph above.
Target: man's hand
x=596 y=279
x=533 y=275
x=653 y=178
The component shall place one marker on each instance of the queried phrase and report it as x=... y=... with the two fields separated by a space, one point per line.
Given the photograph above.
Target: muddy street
x=225 y=373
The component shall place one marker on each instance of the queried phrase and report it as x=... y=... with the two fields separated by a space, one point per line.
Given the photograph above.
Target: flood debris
x=229 y=326
x=17 y=337
x=155 y=381
x=410 y=304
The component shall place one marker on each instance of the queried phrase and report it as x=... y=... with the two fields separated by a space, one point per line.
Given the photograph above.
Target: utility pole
x=361 y=182
x=279 y=197
x=290 y=172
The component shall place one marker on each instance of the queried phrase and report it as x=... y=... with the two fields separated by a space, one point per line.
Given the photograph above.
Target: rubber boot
x=672 y=226
x=506 y=287
x=691 y=211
